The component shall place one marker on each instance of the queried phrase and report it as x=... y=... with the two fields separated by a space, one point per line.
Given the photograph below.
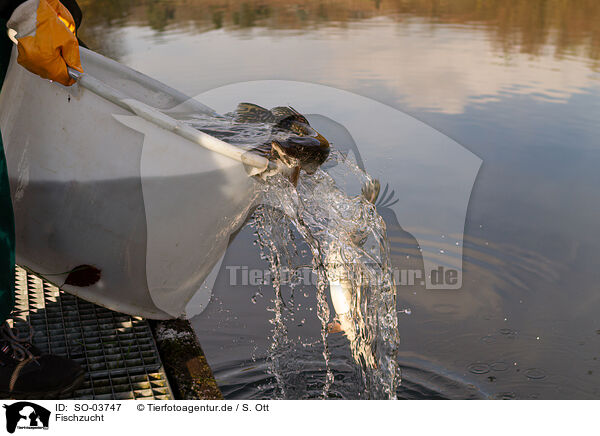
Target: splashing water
x=350 y=258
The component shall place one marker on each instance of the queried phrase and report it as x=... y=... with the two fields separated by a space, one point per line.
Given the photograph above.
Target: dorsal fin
x=283 y=112
x=252 y=113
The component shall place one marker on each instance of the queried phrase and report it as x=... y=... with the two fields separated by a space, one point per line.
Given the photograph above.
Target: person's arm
x=47 y=43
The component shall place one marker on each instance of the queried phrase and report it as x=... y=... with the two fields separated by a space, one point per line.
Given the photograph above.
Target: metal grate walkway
x=118 y=351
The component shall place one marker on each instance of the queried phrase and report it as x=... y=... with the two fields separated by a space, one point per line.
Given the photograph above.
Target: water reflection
x=429 y=55
x=513 y=25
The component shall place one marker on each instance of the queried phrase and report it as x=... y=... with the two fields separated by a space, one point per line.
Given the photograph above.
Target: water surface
x=515 y=82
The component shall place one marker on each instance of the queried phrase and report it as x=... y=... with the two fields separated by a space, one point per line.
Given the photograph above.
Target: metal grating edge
x=117 y=351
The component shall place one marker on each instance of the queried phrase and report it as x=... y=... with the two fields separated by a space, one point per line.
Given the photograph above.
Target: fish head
x=296 y=142
x=293 y=140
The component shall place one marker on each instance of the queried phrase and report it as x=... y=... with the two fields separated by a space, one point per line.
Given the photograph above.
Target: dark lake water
x=515 y=82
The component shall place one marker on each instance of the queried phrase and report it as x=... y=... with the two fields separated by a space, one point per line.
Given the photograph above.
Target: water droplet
x=254 y=298
x=479 y=368
x=535 y=374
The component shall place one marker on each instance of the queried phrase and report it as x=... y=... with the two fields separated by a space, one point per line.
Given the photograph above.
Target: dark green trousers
x=7 y=222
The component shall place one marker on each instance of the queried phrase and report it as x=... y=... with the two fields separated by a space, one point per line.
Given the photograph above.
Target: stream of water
x=333 y=212
x=351 y=263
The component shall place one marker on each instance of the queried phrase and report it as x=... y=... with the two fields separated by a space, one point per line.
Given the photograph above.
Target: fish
x=293 y=140
x=348 y=319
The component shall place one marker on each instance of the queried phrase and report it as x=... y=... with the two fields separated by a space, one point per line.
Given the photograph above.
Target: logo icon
x=26 y=415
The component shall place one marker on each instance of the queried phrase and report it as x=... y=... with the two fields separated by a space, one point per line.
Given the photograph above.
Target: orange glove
x=47 y=41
